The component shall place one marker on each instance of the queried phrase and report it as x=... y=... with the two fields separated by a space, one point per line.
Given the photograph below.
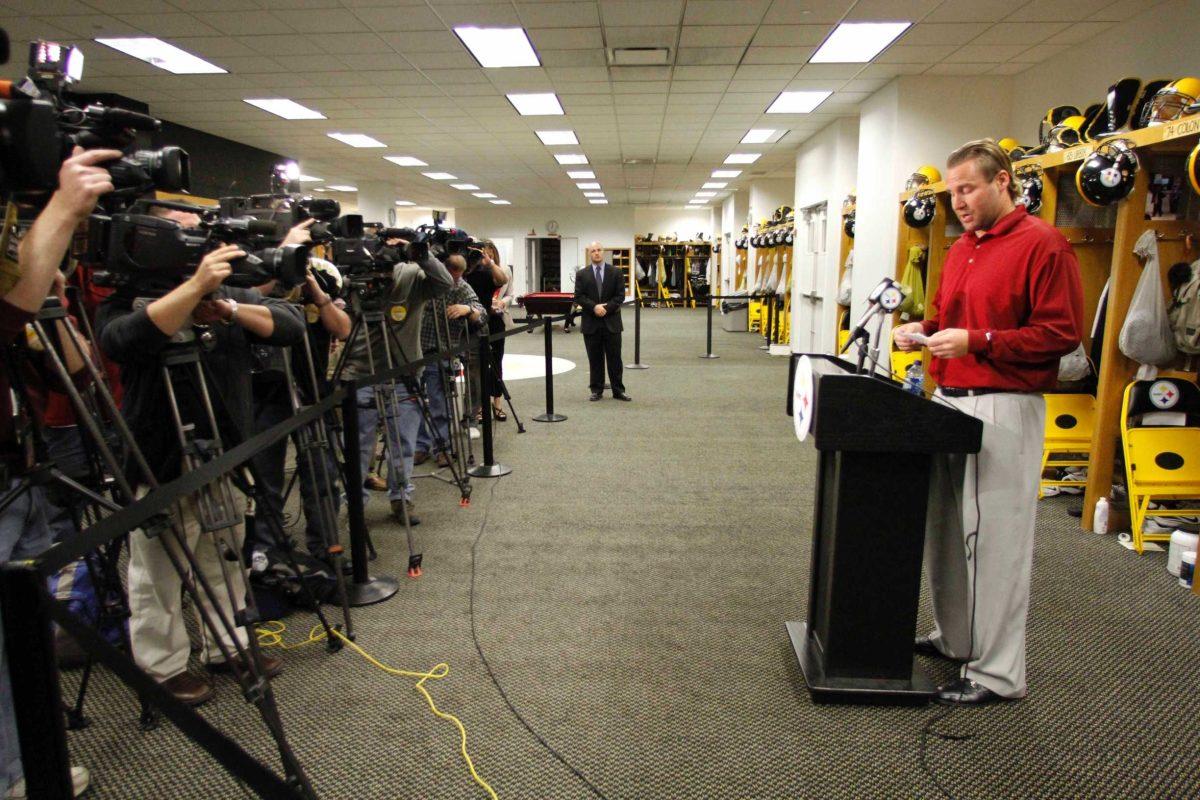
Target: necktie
x=599 y=276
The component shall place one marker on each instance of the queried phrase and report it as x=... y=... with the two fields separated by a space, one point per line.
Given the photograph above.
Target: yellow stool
x=1069 y=422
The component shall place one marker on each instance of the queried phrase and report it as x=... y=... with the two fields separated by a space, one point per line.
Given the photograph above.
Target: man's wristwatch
x=233 y=307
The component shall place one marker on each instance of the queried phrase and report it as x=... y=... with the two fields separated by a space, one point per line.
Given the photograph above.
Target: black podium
x=876 y=444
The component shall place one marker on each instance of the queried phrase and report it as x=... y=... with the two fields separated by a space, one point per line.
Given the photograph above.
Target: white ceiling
x=393 y=69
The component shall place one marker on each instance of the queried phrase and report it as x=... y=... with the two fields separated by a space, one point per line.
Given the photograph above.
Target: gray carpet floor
x=631 y=585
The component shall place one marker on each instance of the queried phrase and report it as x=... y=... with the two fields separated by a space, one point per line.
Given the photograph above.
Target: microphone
x=874 y=305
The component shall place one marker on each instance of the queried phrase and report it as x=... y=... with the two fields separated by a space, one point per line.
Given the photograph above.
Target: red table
x=547 y=303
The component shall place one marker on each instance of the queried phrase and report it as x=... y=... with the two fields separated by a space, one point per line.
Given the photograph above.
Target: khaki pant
x=157 y=629
x=980 y=583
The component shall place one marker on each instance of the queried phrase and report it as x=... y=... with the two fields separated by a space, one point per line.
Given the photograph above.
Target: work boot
x=398 y=512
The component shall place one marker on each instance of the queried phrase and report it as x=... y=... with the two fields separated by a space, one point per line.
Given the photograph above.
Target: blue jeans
x=439 y=411
x=64 y=508
x=24 y=533
x=402 y=421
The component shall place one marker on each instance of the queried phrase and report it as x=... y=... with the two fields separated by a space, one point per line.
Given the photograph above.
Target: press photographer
x=141 y=334
x=24 y=531
x=416 y=278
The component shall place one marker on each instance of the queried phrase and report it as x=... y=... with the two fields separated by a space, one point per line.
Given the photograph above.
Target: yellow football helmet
x=922 y=177
x=1170 y=101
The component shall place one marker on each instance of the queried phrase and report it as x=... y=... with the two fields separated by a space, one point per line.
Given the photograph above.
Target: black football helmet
x=848 y=223
x=1107 y=175
x=920 y=208
x=1030 y=178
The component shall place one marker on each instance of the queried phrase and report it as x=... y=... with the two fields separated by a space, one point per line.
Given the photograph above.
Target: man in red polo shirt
x=1008 y=306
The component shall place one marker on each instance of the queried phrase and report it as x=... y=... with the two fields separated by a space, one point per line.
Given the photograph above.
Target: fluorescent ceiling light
x=697 y=202
x=405 y=161
x=440 y=176
x=282 y=107
x=705 y=194
x=557 y=137
x=798 y=102
x=338 y=187
x=538 y=104
x=763 y=136
x=590 y=185
x=405 y=203
x=484 y=195
x=743 y=158
x=857 y=42
x=598 y=202
x=303 y=178
x=726 y=173
x=465 y=187
x=593 y=194
x=714 y=185
x=570 y=158
x=495 y=48
x=581 y=175
x=500 y=202
x=356 y=139
x=162 y=55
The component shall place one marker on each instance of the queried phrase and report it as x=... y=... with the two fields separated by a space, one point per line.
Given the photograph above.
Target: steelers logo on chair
x=920 y=208
x=1164 y=395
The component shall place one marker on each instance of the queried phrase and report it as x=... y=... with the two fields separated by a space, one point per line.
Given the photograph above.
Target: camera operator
x=463 y=312
x=136 y=337
x=326 y=320
x=414 y=284
x=485 y=276
x=24 y=531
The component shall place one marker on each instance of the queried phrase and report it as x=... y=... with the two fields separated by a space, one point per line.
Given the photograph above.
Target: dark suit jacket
x=611 y=295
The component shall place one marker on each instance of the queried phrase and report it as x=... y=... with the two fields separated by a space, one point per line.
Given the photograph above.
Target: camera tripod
x=214 y=503
x=459 y=451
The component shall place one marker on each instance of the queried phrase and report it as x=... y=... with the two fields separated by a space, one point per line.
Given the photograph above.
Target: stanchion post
x=766 y=332
x=637 y=333
x=363 y=590
x=708 y=313
x=548 y=348
x=36 y=697
x=489 y=468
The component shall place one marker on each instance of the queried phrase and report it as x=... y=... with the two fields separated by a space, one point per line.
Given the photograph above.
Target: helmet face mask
x=1170 y=102
x=922 y=177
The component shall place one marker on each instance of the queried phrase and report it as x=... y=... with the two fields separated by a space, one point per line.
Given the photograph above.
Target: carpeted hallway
x=628 y=584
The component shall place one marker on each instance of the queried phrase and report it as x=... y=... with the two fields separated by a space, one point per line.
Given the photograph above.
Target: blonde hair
x=990 y=159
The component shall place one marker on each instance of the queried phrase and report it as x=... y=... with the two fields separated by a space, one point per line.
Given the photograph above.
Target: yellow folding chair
x=1160 y=437
x=1069 y=422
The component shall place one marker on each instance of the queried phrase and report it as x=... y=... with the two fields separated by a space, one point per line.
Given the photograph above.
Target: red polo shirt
x=1019 y=282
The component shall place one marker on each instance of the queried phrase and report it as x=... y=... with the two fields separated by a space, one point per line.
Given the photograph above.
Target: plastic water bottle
x=1100 y=516
x=914 y=378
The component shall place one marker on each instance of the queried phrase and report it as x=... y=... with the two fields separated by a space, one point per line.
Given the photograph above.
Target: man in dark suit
x=600 y=290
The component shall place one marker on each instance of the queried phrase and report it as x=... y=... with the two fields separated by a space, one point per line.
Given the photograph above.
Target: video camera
x=288 y=211
x=156 y=254
x=39 y=129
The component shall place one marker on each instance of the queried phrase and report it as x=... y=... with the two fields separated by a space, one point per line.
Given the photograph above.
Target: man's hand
x=315 y=294
x=900 y=336
x=81 y=182
x=457 y=311
x=299 y=233
x=210 y=311
x=950 y=343
x=214 y=268
x=498 y=305
x=601 y=310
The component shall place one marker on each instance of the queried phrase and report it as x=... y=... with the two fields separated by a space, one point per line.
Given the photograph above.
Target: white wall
x=612 y=226
x=733 y=217
x=912 y=121
x=682 y=222
x=1159 y=43
x=766 y=195
x=826 y=171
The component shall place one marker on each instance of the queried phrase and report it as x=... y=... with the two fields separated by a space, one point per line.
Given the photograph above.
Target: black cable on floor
x=928 y=730
x=487 y=665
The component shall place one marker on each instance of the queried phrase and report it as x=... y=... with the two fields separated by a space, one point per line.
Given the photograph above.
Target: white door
x=808 y=280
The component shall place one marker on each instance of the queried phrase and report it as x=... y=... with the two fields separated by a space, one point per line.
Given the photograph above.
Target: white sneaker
x=79 y=784
x=474 y=433
x=1159 y=525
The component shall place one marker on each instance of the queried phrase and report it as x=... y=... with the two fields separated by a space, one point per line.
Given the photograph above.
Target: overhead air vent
x=639 y=56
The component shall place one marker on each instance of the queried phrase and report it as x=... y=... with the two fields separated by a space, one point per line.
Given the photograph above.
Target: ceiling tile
x=697 y=87
x=969 y=11
x=829 y=71
x=170 y=25
x=245 y=24
x=1078 y=32
x=478 y=14
x=421 y=42
x=1040 y=11
x=1039 y=53
x=779 y=55
x=985 y=53
x=959 y=69
x=720 y=12
x=325 y=20
x=912 y=54
x=615 y=13
x=1011 y=68
x=933 y=33
x=566 y=38
x=411 y=18
x=708 y=56
x=576 y=74
x=456 y=77
x=704 y=73
x=791 y=35
x=573 y=58
x=807 y=13
x=888 y=71
x=716 y=35
x=645 y=36
x=765 y=71
x=443 y=60
x=910 y=10
x=558 y=15
x=1027 y=33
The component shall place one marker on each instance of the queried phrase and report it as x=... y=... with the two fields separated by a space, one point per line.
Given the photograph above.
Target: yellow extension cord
x=271 y=635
